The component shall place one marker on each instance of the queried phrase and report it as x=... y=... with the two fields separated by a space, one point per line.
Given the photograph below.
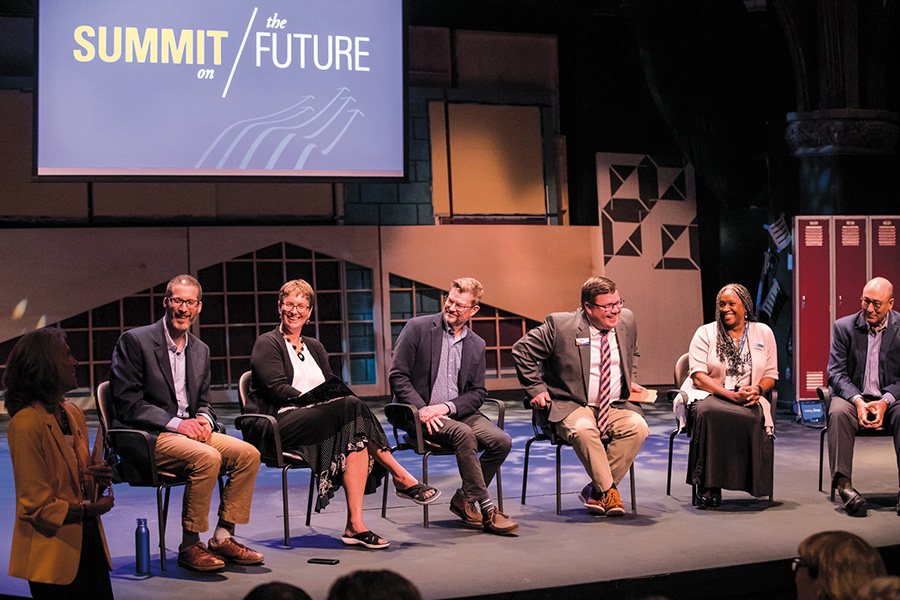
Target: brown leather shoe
x=465 y=510
x=198 y=558
x=612 y=503
x=497 y=523
x=231 y=551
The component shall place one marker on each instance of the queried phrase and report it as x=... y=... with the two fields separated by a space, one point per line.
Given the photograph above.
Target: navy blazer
x=847 y=360
x=141 y=383
x=417 y=356
x=550 y=358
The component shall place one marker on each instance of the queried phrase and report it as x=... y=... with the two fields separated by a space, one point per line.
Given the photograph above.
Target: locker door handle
x=802 y=301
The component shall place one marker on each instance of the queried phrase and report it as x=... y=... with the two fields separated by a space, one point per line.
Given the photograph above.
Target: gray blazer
x=548 y=360
x=417 y=355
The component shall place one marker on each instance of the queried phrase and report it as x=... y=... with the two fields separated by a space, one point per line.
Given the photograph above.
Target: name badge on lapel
x=582 y=341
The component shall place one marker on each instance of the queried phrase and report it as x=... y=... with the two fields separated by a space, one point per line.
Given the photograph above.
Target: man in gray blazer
x=438 y=367
x=581 y=367
x=159 y=381
x=864 y=377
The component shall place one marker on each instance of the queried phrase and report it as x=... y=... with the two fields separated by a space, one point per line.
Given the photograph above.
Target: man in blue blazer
x=438 y=367
x=159 y=381
x=581 y=367
x=864 y=377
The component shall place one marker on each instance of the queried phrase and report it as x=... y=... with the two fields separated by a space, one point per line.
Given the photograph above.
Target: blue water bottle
x=142 y=547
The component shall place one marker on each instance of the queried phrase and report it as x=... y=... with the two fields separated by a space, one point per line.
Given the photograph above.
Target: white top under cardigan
x=703 y=359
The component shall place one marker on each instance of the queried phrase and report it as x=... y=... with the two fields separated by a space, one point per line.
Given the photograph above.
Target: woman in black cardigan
x=320 y=418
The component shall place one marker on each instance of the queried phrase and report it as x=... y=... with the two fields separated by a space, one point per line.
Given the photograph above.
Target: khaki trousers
x=202 y=462
x=626 y=433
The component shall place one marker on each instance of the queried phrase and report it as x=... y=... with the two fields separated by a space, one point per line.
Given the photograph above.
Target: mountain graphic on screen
x=288 y=139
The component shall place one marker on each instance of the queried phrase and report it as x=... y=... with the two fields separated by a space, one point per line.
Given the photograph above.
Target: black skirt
x=325 y=433
x=730 y=448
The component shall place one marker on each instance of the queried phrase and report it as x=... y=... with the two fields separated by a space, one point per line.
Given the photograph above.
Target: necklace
x=299 y=351
x=63 y=420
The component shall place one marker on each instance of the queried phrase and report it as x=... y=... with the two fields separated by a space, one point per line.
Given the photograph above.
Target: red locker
x=812 y=302
x=885 y=252
x=834 y=257
x=850 y=268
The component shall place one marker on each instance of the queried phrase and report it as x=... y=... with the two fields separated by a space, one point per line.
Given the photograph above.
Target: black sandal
x=418 y=493
x=365 y=538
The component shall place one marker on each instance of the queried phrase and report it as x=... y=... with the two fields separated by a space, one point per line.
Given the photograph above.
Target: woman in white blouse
x=733 y=364
x=319 y=417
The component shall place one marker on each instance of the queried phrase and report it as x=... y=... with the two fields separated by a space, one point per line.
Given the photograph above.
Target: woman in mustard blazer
x=58 y=543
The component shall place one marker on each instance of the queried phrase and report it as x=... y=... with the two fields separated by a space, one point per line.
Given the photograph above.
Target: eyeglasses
x=178 y=302
x=450 y=304
x=876 y=304
x=609 y=307
x=798 y=562
x=289 y=307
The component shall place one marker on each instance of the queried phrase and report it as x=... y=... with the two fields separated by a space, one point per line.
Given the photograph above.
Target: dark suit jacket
x=548 y=360
x=141 y=383
x=847 y=361
x=273 y=373
x=417 y=356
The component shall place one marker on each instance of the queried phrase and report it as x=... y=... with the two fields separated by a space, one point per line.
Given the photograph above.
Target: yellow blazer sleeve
x=45 y=484
x=47 y=474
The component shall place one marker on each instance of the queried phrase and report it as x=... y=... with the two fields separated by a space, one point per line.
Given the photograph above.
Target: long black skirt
x=730 y=448
x=324 y=434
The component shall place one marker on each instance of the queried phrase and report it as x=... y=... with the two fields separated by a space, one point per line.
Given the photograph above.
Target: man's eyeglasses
x=609 y=307
x=876 y=304
x=450 y=304
x=798 y=562
x=292 y=307
x=178 y=302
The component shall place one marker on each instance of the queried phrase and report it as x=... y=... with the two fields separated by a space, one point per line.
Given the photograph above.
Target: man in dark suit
x=864 y=377
x=581 y=366
x=438 y=367
x=159 y=382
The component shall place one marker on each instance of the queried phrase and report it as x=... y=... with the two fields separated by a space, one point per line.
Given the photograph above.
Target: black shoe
x=704 y=500
x=715 y=497
x=852 y=500
x=898 y=505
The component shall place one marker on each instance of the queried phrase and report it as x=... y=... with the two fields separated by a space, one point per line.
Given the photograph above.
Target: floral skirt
x=324 y=434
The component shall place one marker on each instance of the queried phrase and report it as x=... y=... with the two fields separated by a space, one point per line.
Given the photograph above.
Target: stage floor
x=447 y=560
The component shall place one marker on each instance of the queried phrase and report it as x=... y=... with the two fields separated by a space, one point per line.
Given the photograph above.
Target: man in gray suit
x=159 y=380
x=581 y=366
x=864 y=377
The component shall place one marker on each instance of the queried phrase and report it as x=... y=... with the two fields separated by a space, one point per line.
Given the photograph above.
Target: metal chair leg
x=822 y=456
x=162 y=509
x=558 y=481
x=313 y=487
x=671 y=451
x=284 y=506
x=525 y=474
x=499 y=492
x=425 y=481
x=633 y=498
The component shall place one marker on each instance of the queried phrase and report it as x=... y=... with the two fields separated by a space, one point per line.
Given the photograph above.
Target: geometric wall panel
x=648 y=217
x=638 y=185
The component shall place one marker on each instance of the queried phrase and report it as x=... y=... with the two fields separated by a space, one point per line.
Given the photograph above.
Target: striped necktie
x=603 y=412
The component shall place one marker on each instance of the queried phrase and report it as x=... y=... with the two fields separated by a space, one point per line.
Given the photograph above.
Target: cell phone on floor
x=323 y=561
